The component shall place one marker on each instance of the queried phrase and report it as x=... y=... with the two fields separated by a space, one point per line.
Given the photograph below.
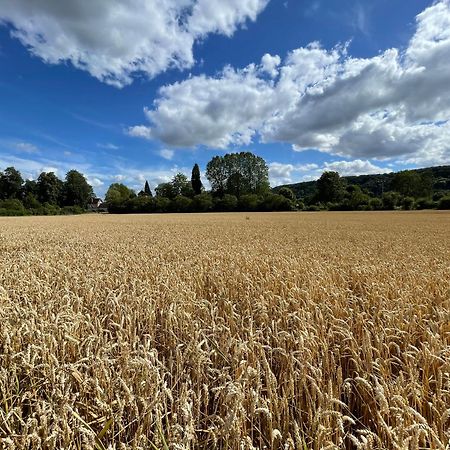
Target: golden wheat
x=234 y=331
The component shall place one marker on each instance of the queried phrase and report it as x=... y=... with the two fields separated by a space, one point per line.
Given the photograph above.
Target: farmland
x=233 y=331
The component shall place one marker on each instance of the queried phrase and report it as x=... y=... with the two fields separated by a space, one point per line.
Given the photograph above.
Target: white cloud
x=216 y=112
x=269 y=64
x=281 y=173
x=166 y=153
x=95 y=182
x=393 y=105
x=135 y=178
x=355 y=167
x=31 y=168
x=26 y=147
x=115 y=39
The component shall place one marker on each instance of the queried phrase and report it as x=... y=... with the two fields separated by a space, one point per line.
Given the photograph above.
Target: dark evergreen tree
x=196 y=181
x=147 y=190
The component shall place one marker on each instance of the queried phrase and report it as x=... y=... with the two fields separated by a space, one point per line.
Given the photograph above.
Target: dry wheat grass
x=277 y=331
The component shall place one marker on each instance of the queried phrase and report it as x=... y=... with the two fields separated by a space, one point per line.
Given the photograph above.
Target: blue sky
x=140 y=89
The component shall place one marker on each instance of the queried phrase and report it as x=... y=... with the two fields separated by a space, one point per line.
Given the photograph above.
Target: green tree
x=238 y=174
x=390 y=200
x=117 y=196
x=196 y=182
x=76 y=190
x=165 y=190
x=182 y=186
x=330 y=187
x=217 y=175
x=356 y=199
x=178 y=186
x=407 y=183
x=10 y=183
x=49 y=188
x=288 y=193
x=30 y=187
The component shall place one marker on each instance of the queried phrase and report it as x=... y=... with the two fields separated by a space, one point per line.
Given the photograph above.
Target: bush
x=425 y=203
x=12 y=207
x=390 y=200
x=408 y=203
x=140 y=204
x=375 y=204
x=226 y=203
x=275 y=202
x=69 y=210
x=249 y=202
x=202 y=202
x=312 y=208
x=444 y=202
x=181 y=204
x=49 y=209
x=162 y=204
x=12 y=212
x=30 y=202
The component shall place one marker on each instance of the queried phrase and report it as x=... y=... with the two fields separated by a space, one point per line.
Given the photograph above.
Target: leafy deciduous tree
x=238 y=174
x=10 y=183
x=329 y=187
x=49 y=188
x=76 y=190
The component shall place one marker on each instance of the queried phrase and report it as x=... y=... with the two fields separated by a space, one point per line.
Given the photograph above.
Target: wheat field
x=228 y=331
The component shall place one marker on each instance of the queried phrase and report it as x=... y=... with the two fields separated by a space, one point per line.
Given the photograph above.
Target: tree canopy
x=76 y=190
x=238 y=174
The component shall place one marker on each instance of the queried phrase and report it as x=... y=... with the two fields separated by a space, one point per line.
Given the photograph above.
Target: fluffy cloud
x=115 y=39
x=216 y=112
x=269 y=64
x=394 y=105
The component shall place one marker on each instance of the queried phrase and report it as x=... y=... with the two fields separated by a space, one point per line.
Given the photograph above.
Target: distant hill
x=375 y=185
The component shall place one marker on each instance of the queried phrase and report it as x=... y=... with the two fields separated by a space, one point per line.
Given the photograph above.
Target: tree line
x=407 y=190
x=47 y=195
x=238 y=182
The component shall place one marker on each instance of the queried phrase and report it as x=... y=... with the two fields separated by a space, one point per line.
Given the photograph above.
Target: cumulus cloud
x=269 y=64
x=116 y=39
x=216 y=112
x=393 y=105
